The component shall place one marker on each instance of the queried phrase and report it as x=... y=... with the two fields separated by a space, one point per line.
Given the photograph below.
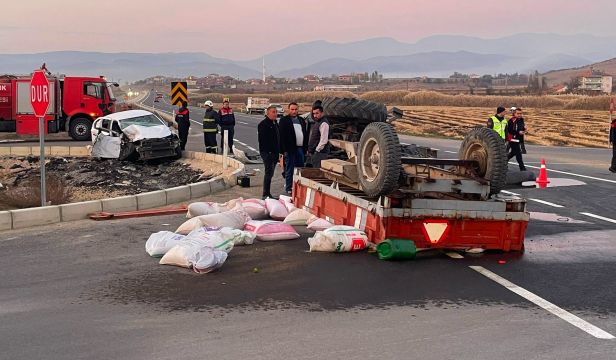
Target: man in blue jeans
x=293 y=143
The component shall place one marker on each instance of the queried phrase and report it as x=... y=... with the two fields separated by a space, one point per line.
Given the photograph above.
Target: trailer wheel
x=80 y=129
x=487 y=148
x=355 y=109
x=379 y=159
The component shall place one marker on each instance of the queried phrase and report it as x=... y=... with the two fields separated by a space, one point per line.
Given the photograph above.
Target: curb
x=25 y=218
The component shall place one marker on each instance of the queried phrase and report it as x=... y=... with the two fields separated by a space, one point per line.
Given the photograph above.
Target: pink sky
x=243 y=29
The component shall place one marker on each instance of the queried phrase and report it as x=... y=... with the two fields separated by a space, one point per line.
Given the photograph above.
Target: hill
x=557 y=77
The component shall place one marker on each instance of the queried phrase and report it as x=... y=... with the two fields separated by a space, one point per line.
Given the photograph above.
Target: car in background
x=134 y=135
x=158 y=97
x=279 y=110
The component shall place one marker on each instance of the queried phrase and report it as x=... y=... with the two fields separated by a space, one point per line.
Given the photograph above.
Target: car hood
x=138 y=132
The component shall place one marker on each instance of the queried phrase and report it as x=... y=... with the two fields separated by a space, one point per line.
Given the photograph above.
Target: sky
x=248 y=29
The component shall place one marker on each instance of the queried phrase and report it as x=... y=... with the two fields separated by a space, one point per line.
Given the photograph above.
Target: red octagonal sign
x=39 y=93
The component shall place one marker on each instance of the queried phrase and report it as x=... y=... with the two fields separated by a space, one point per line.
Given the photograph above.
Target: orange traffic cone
x=542 y=179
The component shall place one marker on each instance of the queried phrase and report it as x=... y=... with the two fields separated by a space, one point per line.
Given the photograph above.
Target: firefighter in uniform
x=182 y=118
x=498 y=122
x=613 y=143
x=210 y=128
x=226 y=120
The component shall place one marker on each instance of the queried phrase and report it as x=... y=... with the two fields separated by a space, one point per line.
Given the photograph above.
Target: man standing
x=269 y=147
x=210 y=128
x=318 y=143
x=515 y=130
x=182 y=118
x=498 y=122
x=613 y=143
x=227 y=123
x=293 y=143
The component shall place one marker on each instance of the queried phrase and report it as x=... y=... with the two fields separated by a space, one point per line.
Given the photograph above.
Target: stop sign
x=39 y=93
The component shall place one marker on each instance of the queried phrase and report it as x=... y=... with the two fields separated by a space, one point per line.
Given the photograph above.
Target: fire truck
x=75 y=102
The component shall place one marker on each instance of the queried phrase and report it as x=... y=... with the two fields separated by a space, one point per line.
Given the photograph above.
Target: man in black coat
x=293 y=143
x=516 y=131
x=269 y=147
x=182 y=118
x=613 y=143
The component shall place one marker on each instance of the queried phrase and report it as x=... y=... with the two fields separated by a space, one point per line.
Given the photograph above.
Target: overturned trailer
x=392 y=191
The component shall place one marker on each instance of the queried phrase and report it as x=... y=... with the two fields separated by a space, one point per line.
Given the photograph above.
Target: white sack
x=298 y=217
x=235 y=219
x=339 y=238
x=208 y=260
x=185 y=253
x=255 y=208
x=318 y=224
x=238 y=237
x=210 y=237
x=160 y=242
x=201 y=208
x=271 y=230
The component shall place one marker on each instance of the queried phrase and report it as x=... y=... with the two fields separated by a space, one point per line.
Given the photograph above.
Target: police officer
x=227 y=123
x=210 y=127
x=182 y=118
x=498 y=122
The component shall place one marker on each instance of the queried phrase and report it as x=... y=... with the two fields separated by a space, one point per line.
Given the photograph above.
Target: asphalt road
x=88 y=289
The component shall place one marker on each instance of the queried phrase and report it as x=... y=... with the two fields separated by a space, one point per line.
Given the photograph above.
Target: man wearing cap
x=498 y=122
x=210 y=128
x=227 y=123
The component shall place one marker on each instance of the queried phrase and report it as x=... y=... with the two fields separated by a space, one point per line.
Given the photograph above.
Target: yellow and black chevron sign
x=178 y=92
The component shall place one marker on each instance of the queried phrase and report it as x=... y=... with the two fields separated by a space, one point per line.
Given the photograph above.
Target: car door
x=106 y=144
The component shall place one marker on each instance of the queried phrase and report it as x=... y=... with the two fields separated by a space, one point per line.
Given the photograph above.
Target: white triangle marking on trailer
x=435 y=230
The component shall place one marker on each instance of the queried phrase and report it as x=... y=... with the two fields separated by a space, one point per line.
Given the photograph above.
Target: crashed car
x=134 y=135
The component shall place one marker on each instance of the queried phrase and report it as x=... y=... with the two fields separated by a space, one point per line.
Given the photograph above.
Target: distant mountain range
x=439 y=55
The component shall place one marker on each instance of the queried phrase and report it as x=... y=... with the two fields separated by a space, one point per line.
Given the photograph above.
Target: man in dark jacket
x=210 y=128
x=515 y=131
x=182 y=118
x=269 y=147
x=318 y=141
x=293 y=143
x=613 y=143
x=227 y=123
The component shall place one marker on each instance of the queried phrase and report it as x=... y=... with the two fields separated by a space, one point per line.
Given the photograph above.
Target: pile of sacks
x=204 y=241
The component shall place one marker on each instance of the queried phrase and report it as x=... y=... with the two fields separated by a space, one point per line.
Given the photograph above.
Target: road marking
x=539 y=301
x=546 y=203
x=599 y=217
x=451 y=152
x=454 y=255
x=251 y=148
x=241 y=122
x=510 y=193
x=569 y=173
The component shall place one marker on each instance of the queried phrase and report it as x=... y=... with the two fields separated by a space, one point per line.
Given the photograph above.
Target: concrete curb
x=24 y=218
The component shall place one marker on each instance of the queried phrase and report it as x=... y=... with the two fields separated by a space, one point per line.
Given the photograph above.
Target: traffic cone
x=542 y=179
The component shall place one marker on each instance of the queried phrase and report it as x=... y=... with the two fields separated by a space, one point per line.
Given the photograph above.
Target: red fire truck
x=75 y=102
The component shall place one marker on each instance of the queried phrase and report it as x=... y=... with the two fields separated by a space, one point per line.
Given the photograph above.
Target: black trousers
x=517 y=152
x=269 y=162
x=210 y=142
x=231 y=132
x=183 y=134
x=613 y=156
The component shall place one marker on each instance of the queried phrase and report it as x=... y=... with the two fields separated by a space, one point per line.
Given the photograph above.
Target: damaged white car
x=134 y=135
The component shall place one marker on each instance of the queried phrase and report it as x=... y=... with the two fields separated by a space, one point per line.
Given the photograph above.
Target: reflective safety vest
x=499 y=126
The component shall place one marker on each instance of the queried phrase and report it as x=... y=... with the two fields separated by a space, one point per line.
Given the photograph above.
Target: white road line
x=568 y=173
x=251 y=148
x=561 y=313
x=546 y=203
x=599 y=217
x=454 y=255
x=451 y=152
x=241 y=122
x=510 y=193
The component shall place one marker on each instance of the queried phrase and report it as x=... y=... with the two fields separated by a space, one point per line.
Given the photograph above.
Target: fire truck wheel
x=80 y=129
x=487 y=148
x=379 y=159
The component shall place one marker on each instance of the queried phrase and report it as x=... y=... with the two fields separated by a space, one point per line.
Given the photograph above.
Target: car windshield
x=111 y=96
x=146 y=120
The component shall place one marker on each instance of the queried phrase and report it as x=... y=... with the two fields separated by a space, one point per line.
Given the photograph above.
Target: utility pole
x=263 y=70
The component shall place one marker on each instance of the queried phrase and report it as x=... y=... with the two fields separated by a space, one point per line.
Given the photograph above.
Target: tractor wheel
x=354 y=109
x=487 y=148
x=379 y=159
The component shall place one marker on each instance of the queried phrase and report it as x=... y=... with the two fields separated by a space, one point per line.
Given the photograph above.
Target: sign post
x=39 y=98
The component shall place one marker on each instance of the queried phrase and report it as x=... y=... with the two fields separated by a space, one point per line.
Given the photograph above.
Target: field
x=544 y=126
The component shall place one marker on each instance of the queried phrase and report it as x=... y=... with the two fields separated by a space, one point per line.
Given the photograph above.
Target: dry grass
x=544 y=126
x=28 y=193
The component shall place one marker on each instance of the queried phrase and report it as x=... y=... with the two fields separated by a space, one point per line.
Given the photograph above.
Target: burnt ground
x=89 y=178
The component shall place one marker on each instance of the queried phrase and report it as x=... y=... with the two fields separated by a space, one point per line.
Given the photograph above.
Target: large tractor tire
x=379 y=159
x=80 y=129
x=487 y=148
x=352 y=108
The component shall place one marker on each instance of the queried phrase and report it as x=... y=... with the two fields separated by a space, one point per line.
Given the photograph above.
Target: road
x=88 y=289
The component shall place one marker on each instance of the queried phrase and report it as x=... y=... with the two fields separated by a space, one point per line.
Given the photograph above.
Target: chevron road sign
x=178 y=92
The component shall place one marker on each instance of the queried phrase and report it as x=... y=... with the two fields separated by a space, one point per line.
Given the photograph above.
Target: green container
x=396 y=249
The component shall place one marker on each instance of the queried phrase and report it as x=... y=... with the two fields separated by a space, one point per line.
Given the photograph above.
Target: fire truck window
x=93 y=90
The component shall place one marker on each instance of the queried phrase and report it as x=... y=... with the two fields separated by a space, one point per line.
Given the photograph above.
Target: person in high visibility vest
x=210 y=128
x=498 y=122
x=182 y=118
